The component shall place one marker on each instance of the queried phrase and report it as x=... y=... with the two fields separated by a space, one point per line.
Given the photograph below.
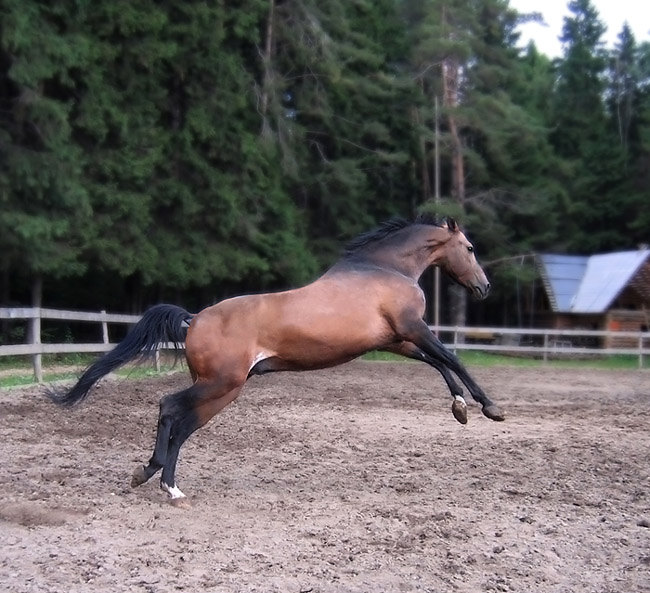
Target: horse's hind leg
x=144 y=473
x=184 y=425
x=170 y=405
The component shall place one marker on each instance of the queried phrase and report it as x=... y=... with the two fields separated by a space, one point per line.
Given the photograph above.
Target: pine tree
x=44 y=208
x=579 y=116
x=629 y=108
x=596 y=180
x=336 y=109
x=183 y=196
x=496 y=153
x=623 y=84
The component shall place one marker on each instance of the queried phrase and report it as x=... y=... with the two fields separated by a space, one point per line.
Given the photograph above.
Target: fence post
x=34 y=337
x=545 y=348
x=104 y=328
x=641 y=350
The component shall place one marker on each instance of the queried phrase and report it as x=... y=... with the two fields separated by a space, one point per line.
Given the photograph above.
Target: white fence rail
x=542 y=343
x=552 y=342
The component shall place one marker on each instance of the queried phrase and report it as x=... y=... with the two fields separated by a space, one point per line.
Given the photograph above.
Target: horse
x=368 y=300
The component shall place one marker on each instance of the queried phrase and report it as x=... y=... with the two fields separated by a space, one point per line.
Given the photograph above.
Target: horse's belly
x=323 y=342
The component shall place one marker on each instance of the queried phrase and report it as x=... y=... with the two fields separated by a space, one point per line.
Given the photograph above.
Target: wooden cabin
x=608 y=291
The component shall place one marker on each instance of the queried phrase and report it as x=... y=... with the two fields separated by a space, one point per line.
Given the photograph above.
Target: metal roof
x=588 y=284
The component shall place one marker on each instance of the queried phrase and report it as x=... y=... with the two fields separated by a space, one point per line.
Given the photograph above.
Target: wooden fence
x=35 y=348
x=544 y=343
x=541 y=343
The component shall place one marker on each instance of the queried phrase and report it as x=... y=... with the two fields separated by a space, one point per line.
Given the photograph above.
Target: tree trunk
x=424 y=166
x=268 y=74
x=450 y=76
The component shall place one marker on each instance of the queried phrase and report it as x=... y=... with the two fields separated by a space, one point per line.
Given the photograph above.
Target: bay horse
x=368 y=300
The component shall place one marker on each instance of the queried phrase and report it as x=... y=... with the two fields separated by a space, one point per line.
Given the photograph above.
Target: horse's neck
x=391 y=260
x=407 y=255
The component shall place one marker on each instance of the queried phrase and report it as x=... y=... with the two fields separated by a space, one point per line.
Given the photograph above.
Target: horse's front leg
x=410 y=350
x=418 y=332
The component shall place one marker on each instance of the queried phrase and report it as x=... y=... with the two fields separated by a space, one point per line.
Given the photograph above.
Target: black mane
x=386 y=229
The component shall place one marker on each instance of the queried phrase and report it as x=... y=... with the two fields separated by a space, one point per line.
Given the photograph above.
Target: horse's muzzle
x=480 y=291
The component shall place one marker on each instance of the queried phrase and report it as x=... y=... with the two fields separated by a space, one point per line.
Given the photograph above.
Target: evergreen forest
x=183 y=152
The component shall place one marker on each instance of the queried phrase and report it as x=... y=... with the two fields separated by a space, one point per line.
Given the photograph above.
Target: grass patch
x=377 y=356
x=11 y=363
x=18 y=372
x=611 y=362
x=24 y=380
x=23 y=375
x=488 y=359
x=141 y=371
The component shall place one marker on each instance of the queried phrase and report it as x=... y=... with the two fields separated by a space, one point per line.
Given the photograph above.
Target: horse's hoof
x=459 y=410
x=139 y=477
x=180 y=503
x=493 y=412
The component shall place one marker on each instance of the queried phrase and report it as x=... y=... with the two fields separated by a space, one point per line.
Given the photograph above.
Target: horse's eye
x=470 y=248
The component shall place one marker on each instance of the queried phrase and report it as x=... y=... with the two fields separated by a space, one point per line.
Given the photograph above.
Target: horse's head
x=458 y=260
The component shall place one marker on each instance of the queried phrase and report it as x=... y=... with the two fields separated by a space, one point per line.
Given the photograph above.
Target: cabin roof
x=588 y=284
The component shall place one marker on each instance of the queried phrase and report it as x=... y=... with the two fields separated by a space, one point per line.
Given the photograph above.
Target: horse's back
x=336 y=318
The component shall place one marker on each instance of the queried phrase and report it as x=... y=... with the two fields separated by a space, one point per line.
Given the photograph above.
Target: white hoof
x=173 y=491
x=459 y=409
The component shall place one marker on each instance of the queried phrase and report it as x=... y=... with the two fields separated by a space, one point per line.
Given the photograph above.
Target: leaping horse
x=368 y=300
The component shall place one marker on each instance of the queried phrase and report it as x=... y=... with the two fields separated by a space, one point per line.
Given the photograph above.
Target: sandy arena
x=354 y=479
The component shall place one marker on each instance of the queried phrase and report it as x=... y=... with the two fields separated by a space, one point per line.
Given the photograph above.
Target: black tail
x=161 y=323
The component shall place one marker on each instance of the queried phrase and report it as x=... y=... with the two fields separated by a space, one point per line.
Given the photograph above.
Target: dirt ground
x=354 y=479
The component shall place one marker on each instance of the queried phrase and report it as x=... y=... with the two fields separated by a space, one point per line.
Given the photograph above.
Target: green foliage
x=502 y=117
x=339 y=115
x=594 y=137
x=44 y=208
x=202 y=149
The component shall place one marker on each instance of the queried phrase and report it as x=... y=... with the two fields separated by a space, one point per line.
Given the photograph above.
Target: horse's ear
x=451 y=224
